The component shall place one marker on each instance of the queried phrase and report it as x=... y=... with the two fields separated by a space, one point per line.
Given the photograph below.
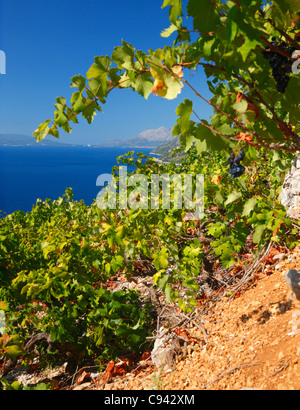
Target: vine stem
x=276 y=49
x=260 y=142
x=74 y=114
x=282 y=32
x=287 y=130
x=224 y=113
x=201 y=32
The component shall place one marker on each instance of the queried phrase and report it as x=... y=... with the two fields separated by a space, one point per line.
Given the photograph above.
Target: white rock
x=292 y=279
x=279 y=257
x=161 y=351
x=290 y=194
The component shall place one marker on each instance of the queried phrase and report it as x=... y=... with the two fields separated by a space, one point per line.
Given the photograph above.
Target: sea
x=29 y=172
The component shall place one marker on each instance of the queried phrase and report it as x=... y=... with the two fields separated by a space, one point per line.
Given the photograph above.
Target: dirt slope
x=253 y=342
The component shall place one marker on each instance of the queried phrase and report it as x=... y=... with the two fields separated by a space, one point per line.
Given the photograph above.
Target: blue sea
x=28 y=173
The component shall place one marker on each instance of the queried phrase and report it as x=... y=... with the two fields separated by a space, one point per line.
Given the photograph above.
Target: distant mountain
x=165 y=150
x=146 y=139
x=25 y=140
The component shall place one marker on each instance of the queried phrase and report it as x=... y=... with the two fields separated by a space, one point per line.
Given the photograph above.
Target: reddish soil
x=253 y=343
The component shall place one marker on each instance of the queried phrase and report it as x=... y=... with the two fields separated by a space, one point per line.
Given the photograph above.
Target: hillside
x=194 y=297
x=253 y=341
x=165 y=150
x=250 y=342
x=167 y=147
x=25 y=140
x=146 y=139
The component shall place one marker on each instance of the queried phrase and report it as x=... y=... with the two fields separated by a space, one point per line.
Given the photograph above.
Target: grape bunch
x=281 y=65
x=236 y=169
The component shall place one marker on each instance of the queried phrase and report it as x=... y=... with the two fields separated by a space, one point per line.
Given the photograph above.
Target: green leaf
x=293 y=90
x=241 y=106
x=61 y=103
x=247 y=47
x=249 y=206
x=219 y=198
x=206 y=16
x=184 y=307
x=233 y=197
x=258 y=233
x=79 y=82
x=60 y=118
x=175 y=10
x=225 y=250
x=207 y=47
x=169 y=293
x=184 y=111
x=100 y=68
x=205 y=139
x=192 y=302
x=160 y=279
x=293 y=4
x=143 y=85
x=231 y=26
x=79 y=103
x=169 y=31
x=11 y=346
x=191 y=284
x=53 y=131
x=123 y=56
x=42 y=131
x=90 y=110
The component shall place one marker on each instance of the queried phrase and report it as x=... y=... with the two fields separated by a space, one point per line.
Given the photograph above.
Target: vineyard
x=61 y=260
x=59 y=263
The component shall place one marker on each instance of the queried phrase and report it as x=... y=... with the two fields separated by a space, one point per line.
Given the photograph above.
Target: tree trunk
x=290 y=194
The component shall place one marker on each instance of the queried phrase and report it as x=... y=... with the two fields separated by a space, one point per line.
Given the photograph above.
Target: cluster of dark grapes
x=236 y=169
x=281 y=65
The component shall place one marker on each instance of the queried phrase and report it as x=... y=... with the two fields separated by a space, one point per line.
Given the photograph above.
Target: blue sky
x=47 y=42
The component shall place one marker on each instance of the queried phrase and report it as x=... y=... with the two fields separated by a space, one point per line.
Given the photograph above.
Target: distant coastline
x=20 y=140
x=39 y=145
x=80 y=146
x=149 y=139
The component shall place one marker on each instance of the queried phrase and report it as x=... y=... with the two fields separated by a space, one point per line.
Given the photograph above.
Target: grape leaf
x=206 y=17
x=249 y=206
x=167 y=84
x=233 y=197
x=259 y=230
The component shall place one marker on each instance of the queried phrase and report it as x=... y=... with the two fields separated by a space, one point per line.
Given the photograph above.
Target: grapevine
x=230 y=46
x=57 y=262
x=281 y=63
x=236 y=169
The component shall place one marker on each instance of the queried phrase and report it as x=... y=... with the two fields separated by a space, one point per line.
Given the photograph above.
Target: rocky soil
x=253 y=343
x=247 y=340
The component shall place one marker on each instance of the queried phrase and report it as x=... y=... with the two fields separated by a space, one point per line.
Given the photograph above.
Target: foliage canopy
x=226 y=38
x=57 y=261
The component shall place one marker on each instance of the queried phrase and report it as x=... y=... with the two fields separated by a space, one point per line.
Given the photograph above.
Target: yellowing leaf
x=158 y=85
x=216 y=179
x=105 y=226
x=177 y=69
x=167 y=84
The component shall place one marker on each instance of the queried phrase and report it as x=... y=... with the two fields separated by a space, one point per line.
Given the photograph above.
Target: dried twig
x=284 y=366
x=249 y=273
x=231 y=371
x=77 y=372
